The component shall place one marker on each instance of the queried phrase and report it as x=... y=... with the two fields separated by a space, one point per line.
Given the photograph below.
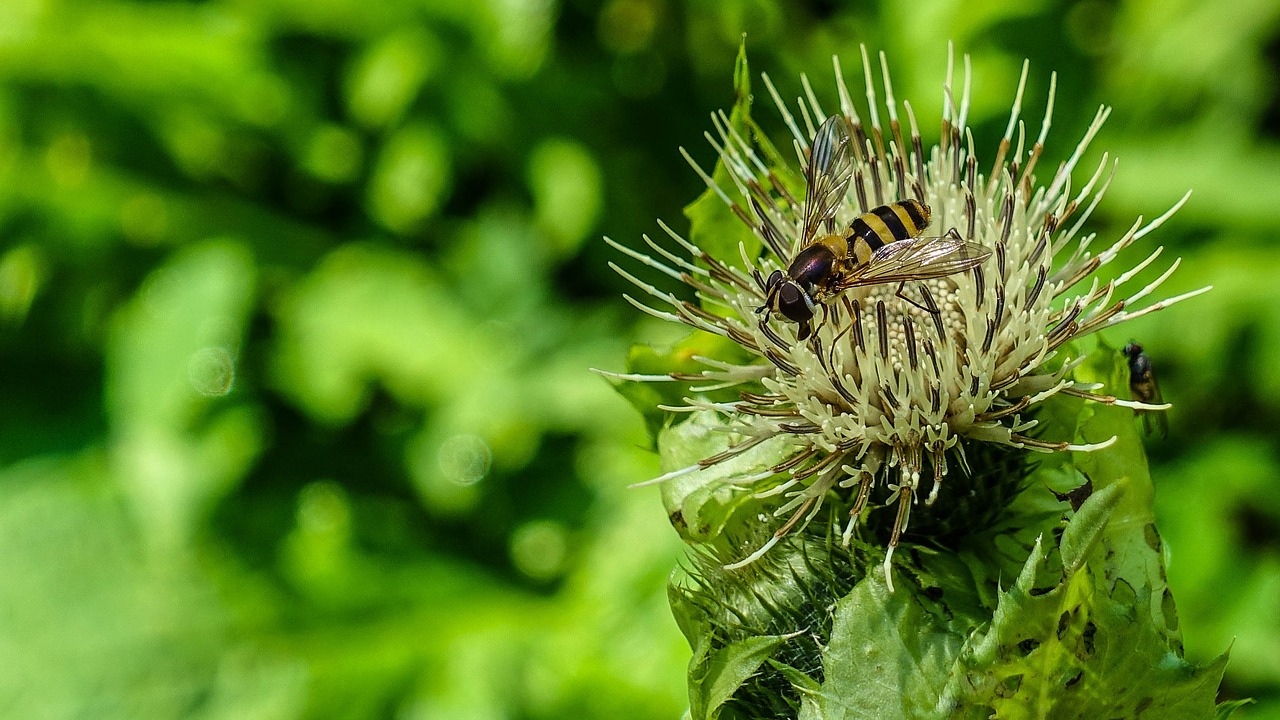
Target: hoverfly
x=880 y=246
x=1144 y=388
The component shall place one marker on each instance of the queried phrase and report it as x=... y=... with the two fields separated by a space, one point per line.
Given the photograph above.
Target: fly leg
x=831 y=358
x=930 y=306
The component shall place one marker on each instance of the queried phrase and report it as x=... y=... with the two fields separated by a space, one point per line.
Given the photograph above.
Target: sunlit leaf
x=721 y=673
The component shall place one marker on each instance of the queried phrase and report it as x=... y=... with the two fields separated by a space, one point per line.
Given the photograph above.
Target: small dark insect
x=880 y=246
x=1144 y=388
x=1077 y=496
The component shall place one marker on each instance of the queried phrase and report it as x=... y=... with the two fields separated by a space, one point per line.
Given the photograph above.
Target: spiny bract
x=884 y=390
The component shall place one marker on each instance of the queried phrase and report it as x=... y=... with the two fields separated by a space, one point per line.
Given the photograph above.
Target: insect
x=884 y=245
x=1144 y=388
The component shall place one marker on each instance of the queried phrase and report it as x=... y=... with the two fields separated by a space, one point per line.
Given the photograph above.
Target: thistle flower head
x=896 y=381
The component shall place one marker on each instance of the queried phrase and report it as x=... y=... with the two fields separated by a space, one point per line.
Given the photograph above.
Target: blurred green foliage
x=297 y=301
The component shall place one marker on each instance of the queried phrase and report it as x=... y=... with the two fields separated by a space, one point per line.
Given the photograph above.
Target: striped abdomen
x=871 y=231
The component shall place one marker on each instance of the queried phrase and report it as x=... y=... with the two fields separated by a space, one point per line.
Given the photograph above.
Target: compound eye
x=791 y=303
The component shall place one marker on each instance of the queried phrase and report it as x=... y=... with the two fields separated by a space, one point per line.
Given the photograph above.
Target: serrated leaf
x=1099 y=641
x=1076 y=651
x=888 y=657
x=1102 y=642
x=714 y=679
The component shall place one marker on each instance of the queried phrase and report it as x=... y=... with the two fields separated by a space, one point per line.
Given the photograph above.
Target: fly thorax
x=813 y=266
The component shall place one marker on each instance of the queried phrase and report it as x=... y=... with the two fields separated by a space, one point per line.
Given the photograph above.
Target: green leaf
x=810 y=690
x=1227 y=709
x=1084 y=531
x=1087 y=628
x=172 y=366
x=742 y=81
x=691 y=619
x=565 y=183
x=805 y=684
x=411 y=178
x=703 y=503
x=888 y=657
x=715 y=677
x=388 y=75
x=1102 y=641
x=1077 y=651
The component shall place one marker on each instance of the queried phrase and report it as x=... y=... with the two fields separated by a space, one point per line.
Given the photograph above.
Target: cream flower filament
x=883 y=389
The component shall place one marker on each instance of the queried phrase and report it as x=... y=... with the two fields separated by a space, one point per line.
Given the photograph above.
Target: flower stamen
x=855 y=401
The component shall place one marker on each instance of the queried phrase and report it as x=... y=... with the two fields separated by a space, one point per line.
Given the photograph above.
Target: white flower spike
x=885 y=388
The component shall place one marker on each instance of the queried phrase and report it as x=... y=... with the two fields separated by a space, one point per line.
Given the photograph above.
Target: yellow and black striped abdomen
x=871 y=231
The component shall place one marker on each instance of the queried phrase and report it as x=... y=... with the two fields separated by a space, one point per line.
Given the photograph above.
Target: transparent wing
x=1157 y=397
x=1158 y=418
x=916 y=259
x=829 y=172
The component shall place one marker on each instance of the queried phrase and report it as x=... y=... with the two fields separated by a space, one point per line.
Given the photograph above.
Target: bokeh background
x=298 y=297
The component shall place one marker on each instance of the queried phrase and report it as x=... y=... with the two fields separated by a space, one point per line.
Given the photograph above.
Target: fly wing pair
x=921 y=258
x=829 y=173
